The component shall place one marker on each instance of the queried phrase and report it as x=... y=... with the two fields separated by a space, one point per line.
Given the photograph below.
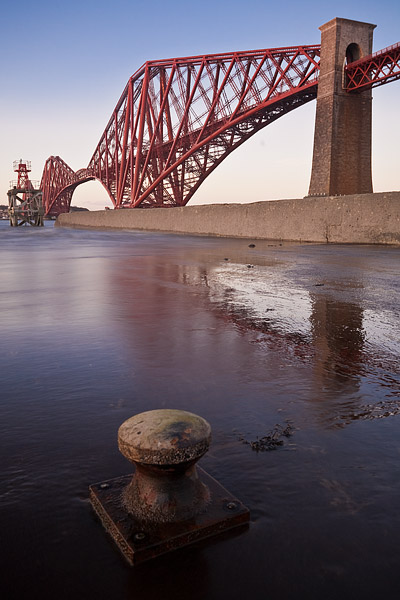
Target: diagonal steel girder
x=373 y=70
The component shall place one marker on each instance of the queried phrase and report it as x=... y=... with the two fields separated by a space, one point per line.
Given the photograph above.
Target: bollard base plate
x=140 y=541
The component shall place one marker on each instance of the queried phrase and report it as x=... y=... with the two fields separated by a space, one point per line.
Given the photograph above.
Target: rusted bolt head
x=164 y=437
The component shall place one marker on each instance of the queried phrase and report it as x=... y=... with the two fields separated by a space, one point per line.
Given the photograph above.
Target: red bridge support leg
x=342 y=139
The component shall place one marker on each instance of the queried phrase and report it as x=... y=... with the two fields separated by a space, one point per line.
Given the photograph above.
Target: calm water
x=98 y=326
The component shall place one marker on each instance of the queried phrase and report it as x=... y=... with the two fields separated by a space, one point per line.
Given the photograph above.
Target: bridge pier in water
x=342 y=139
x=25 y=201
x=25 y=211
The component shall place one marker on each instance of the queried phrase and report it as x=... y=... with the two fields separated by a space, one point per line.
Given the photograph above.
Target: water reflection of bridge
x=327 y=325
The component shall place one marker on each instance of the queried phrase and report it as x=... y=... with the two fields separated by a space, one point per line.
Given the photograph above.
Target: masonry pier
x=342 y=138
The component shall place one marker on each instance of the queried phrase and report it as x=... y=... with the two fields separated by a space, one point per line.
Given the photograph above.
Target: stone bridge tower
x=342 y=138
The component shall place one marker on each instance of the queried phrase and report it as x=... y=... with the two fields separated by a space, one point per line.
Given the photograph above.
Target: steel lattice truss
x=376 y=69
x=178 y=119
x=58 y=184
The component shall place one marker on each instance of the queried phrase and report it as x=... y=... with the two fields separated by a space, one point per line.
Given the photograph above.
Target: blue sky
x=63 y=67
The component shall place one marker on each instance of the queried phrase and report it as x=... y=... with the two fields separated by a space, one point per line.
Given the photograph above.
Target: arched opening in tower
x=353 y=53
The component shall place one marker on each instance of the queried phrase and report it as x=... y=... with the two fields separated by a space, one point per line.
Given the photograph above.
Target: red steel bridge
x=178 y=119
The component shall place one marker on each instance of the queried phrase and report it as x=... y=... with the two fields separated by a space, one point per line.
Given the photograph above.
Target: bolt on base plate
x=140 y=541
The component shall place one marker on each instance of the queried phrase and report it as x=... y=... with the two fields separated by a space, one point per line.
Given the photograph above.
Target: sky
x=63 y=67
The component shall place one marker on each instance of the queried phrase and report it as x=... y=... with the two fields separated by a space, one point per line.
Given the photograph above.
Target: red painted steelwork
x=178 y=119
x=58 y=184
x=23 y=167
x=373 y=70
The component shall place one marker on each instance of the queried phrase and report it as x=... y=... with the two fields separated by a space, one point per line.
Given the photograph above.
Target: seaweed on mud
x=272 y=440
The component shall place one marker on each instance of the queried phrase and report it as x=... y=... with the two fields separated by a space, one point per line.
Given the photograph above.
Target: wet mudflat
x=290 y=351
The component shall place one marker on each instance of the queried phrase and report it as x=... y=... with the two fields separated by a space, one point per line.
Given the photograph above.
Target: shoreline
x=354 y=219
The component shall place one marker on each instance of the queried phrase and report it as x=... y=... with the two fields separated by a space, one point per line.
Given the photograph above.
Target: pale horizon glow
x=61 y=85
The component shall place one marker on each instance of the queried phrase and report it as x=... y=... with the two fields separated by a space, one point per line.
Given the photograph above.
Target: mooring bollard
x=165 y=445
x=169 y=502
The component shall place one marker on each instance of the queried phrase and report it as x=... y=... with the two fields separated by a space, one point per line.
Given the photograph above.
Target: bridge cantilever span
x=178 y=119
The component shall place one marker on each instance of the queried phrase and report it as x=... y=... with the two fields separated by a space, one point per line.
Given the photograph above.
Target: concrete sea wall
x=357 y=219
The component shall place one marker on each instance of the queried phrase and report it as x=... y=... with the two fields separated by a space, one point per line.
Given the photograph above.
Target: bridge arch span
x=204 y=157
x=178 y=119
x=59 y=182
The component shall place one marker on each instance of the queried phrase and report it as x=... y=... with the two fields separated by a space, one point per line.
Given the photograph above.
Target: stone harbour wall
x=353 y=219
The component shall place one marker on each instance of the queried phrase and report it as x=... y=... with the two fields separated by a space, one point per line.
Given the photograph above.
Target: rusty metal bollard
x=165 y=445
x=169 y=502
